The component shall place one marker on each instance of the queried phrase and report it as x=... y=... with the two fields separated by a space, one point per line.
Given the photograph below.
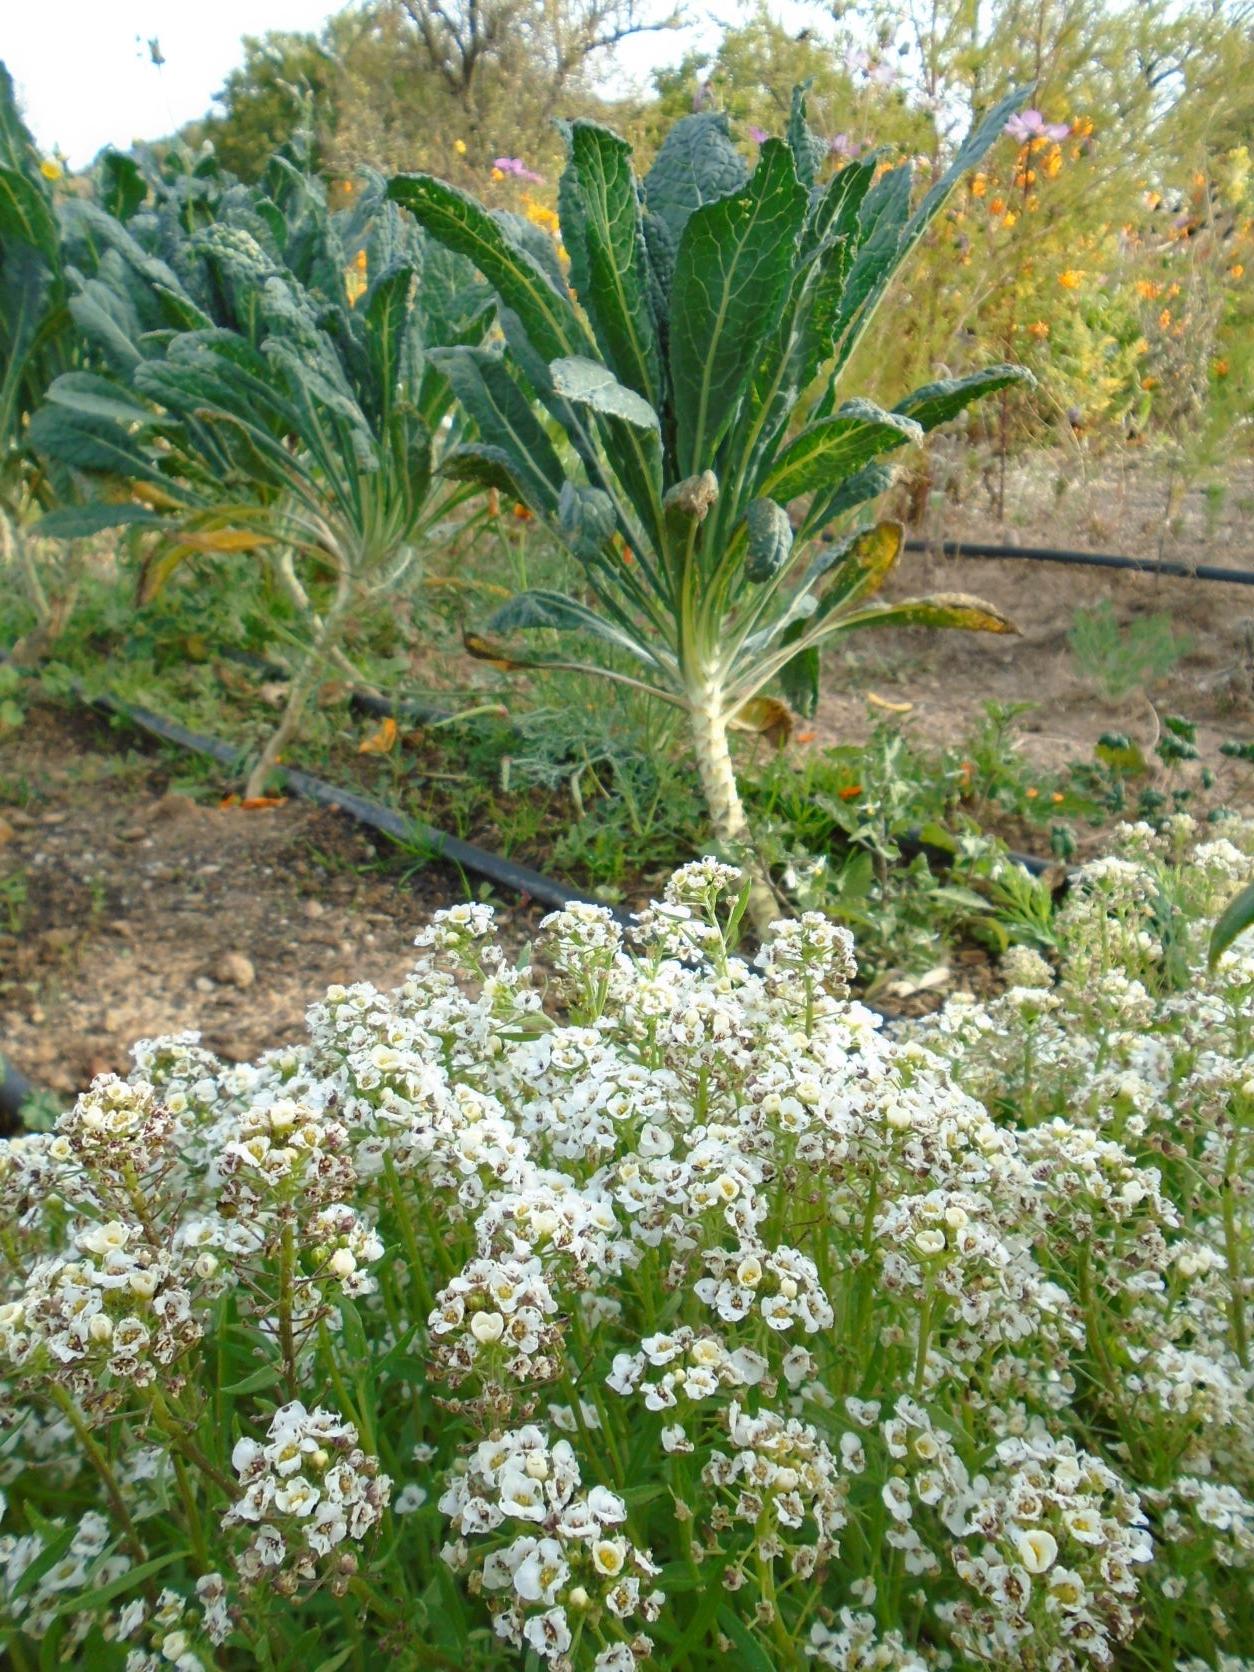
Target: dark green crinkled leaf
x=26 y=215
x=867 y=483
x=90 y=443
x=696 y=163
x=808 y=149
x=458 y=222
x=531 y=610
x=770 y=539
x=833 y=449
x=601 y=195
x=937 y=403
x=732 y=270
x=896 y=233
x=506 y=419
x=79 y=522
x=589 y=383
x=587 y=520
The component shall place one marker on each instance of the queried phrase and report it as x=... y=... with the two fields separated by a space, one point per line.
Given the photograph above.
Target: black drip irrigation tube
x=1084 y=560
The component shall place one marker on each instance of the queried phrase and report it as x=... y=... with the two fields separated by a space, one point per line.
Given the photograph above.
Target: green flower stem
x=1232 y=1254
x=177 y=1428
x=100 y=1463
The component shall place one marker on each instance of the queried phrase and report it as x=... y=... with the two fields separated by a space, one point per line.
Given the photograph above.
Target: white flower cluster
x=308 y=1489
x=558 y=1553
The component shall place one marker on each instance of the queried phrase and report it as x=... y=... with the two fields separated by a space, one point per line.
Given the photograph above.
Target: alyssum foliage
x=709 y=304
x=270 y=389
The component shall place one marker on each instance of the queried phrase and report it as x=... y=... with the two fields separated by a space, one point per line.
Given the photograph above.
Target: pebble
x=203 y=984
x=313 y=908
x=234 y=969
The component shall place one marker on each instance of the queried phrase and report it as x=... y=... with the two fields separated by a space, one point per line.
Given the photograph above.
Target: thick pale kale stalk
x=710 y=302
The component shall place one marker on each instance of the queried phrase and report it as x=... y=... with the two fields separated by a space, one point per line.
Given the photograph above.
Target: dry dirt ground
x=948 y=676
x=128 y=910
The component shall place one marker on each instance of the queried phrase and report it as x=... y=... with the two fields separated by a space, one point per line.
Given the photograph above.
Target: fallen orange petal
x=380 y=742
x=258 y=803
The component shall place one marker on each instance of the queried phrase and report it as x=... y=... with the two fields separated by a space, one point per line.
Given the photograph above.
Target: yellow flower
x=979 y=185
x=51 y=169
x=1147 y=289
x=1011 y=218
x=1164 y=319
x=498 y=174
x=1237 y=270
x=1071 y=279
x=459 y=145
x=1053 y=163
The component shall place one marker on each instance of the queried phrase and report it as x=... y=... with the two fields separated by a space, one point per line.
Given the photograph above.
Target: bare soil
x=128 y=910
x=947 y=677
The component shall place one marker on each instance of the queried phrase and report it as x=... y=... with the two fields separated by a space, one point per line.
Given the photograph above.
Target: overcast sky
x=85 y=77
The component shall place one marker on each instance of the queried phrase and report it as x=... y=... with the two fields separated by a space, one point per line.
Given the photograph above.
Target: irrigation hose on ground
x=1085 y=560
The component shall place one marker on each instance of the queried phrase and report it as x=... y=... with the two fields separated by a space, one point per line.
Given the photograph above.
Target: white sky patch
x=85 y=77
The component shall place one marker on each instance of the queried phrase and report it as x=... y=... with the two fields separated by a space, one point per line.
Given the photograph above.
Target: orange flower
x=1149 y=383
x=1237 y=270
x=1071 y=279
x=1032 y=793
x=1164 y=319
x=1053 y=163
x=521 y=512
x=1147 y=289
x=1039 y=329
x=997 y=206
x=979 y=185
x=1057 y=798
x=804 y=736
x=851 y=792
x=1220 y=368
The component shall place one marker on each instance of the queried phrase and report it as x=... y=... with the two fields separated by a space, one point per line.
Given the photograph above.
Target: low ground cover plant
x=642 y=1305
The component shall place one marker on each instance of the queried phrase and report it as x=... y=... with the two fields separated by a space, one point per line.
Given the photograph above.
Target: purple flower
x=759 y=136
x=518 y=168
x=844 y=146
x=1030 y=124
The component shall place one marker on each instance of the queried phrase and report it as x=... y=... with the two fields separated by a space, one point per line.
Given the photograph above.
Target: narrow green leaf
x=1236 y=917
x=750 y=1655
x=732 y=271
x=696 y=164
x=86 y=1602
x=458 y=222
x=589 y=383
